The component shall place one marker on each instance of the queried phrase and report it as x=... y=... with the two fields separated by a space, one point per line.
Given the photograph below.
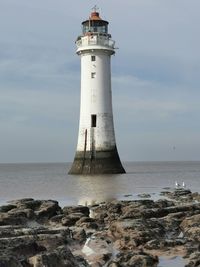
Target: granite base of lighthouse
x=100 y=162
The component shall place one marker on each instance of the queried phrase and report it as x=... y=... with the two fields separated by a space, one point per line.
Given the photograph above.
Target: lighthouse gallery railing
x=95 y=40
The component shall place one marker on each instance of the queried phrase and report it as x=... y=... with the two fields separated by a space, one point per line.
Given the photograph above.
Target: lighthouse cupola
x=95 y=25
x=95 y=35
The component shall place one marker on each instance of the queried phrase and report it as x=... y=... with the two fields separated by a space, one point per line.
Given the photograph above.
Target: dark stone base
x=102 y=162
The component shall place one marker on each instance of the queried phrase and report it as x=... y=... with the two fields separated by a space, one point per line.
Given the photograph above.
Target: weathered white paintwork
x=96 y=94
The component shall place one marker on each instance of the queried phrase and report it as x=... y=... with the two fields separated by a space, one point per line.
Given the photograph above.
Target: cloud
x=155 y=76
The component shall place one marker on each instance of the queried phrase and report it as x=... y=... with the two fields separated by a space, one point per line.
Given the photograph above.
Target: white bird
x=177 y=185
x=183 y=185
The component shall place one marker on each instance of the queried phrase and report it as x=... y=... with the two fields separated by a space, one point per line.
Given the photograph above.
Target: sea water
x=51 y=181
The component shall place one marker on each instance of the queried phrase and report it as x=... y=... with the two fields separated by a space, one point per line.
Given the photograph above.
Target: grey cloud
x=155 y=77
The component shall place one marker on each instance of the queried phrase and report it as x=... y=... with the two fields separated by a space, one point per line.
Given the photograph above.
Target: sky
x=155 y=78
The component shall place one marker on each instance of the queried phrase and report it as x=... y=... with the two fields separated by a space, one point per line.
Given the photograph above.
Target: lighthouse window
x=93 y=120
x=93 y=75
x=93 y=58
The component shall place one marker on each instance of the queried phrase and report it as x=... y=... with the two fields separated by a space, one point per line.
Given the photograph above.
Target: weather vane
x=95 y=8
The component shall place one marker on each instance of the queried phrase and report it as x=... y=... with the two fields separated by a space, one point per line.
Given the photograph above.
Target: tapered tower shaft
x=96 y=149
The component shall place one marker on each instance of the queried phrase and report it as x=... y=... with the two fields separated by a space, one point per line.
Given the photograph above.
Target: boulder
x=47 y=209
x=76 y=209
x=194 y=260
x=61 y=257
x=9 y=261
x=136 y=259
x=70 y=220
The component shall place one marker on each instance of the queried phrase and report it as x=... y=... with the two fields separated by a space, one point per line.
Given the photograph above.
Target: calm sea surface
x=51 y=181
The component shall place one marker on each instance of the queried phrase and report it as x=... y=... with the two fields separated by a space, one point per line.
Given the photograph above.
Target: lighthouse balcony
x=95 y=40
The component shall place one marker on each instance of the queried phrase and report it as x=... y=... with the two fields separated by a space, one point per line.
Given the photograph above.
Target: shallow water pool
x=176 y=261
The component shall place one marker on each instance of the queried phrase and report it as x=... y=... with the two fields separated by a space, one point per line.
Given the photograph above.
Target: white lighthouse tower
x=96 y=149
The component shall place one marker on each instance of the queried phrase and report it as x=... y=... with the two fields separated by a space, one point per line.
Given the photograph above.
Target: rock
x=144 y=195
x=192 y=221
x=57 y=219
x=164 y=203
x=27 y=238
x=135 y=259
x=9 y=261
x=196 y=196
x=177 y=193
x=70 y=220
x=142 y=261
x=138 y=230
x=128 y=195
x=20 y=211
x=17 y=218
x=181 y=192
x=194 y=260
x=76 y=209
x=40 y=233
x=191 y=227
x=61 y=257
x=78 y=234
x=87 y=223
x=85 y=220
x=153 y=244
x=47 y=209
x=7 y=208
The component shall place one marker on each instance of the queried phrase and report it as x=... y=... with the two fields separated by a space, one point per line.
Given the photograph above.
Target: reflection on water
x=95 y=189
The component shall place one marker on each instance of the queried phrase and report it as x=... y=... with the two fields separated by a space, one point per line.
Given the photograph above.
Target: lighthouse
x=96 y=149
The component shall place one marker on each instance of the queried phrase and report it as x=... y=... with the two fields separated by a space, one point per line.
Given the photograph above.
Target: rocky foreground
x=39 y=233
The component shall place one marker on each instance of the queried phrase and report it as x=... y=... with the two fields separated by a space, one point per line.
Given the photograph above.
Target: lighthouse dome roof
x=94 y=16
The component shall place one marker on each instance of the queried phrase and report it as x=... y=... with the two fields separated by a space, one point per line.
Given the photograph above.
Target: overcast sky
x=155 y=78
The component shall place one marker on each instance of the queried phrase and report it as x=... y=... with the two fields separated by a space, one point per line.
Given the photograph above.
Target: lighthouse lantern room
x=96 y=149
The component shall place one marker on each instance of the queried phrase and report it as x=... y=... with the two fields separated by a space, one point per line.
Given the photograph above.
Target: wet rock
x=78 y=234
x=87 y=223
x=194 y=260
x=153 y=244
x=135 y=232
x=144 y=195
x=140 y=259
x=164 y=203
x=39 y=232
x=18 y=218
x=70 y=220
x=57 y=219
x=27 y=238
x=61 y=257
x=20 y=211
x=9 y=261
x=7 y=208
x=182 y=192
x=192 y=221
x=47 y=209
x=179 y=194
x=191 y=227
x=128 y=195
x=76 y=209
x=196 y=196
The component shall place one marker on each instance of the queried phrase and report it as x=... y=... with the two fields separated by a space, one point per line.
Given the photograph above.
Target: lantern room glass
x=94 y=27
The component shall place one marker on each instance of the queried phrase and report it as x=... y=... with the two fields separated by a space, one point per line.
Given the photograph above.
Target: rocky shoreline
x=39 y=233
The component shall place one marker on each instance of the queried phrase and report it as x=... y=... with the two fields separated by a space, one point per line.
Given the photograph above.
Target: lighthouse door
x=92 y=135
